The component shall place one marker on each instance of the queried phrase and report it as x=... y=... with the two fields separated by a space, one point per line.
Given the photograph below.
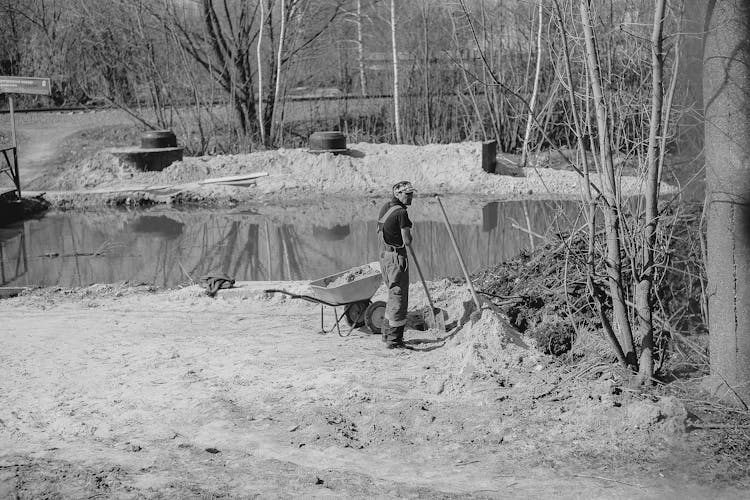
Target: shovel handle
x=421 y=278
x=458 y=253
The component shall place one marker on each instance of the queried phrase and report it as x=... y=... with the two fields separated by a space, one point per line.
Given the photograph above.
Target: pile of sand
x=99 y=170
x=487 y=350
x=369 y=170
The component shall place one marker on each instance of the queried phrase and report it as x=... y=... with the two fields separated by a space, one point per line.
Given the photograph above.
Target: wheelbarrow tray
x=357 y=290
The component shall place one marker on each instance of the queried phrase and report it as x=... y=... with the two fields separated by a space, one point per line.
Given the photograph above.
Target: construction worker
x=394 y=228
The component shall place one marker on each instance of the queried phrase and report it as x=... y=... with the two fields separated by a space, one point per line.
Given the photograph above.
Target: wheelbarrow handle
x=276 y=290
x=303 y=297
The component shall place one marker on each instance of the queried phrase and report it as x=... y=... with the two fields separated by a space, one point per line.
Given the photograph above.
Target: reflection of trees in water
x=289 y=253
x=507 y=229
x=214 y=254
x=79 y=277
x=232 y=248
x=247 y=262
x=257 y=247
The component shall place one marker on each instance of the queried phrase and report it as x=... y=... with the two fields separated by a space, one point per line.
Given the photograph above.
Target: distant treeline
x=465 y=70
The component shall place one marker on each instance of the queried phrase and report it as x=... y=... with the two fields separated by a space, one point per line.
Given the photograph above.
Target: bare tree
x=9 y=37
x=259 y=52
x=535 y=91
x=279 y=53
x=219 y=41
x=40 y=37
x=223 y=45
x=591 y=203
x=644 y=286
x=139 y=76
x=611 y=196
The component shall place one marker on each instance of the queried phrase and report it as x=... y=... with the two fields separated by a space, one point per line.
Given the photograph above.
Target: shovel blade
x=435 y=320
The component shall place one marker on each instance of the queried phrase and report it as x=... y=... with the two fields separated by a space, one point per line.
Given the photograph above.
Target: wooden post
x=489 y=156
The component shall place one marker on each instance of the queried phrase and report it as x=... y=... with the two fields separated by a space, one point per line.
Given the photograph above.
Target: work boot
x=395 y=338
x=398 y=334
x=385 y=330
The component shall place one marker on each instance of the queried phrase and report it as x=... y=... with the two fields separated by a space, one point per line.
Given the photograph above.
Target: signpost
x=18 y=85
x=24 y=85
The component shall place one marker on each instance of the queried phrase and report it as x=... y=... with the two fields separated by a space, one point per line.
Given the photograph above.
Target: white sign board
x=24 y=85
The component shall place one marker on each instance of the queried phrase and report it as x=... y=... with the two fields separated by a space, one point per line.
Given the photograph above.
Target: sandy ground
x=123 y=392
x=43 y=137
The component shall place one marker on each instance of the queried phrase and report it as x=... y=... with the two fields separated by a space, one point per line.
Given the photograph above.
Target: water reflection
x=335 y=233
x=489 y=216
x=159 y=225
x=13 y=256
x=164 y=246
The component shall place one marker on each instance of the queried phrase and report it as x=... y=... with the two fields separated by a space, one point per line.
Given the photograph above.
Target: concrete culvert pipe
x=154 y=139
x=327 y=142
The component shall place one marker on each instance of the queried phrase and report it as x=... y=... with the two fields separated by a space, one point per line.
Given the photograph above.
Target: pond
x=168 y=247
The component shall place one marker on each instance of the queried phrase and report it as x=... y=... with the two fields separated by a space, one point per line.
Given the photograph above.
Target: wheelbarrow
x=354 y=296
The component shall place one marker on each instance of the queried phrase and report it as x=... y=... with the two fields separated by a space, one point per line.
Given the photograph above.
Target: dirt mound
x=100 y=170
x=487 y=350
x=369 y=170
x=603 y=404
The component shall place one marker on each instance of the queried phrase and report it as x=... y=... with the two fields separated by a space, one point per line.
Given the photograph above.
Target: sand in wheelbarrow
x=354 y=274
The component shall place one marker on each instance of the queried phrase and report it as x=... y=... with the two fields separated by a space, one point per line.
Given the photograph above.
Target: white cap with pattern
x=403 y=187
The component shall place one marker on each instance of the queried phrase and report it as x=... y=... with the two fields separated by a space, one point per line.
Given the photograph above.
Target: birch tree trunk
x=534 y=92
x=361 y=51
x=396 y=115
x=611 y=217
x=277 y=89
x=726 y=87
x=426 y=63
x=260 y=73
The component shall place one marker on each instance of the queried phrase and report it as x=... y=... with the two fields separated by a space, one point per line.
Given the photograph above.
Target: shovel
x=460 y=258
x=435 y=319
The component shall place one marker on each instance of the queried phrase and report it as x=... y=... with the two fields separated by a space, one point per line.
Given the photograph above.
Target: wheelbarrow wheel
x=374 y=317
x=355 y=313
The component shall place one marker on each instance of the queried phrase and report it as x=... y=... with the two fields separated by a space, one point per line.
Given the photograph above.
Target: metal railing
x=10 y=167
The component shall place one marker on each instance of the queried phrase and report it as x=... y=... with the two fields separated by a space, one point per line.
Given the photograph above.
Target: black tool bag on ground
x=214 y=282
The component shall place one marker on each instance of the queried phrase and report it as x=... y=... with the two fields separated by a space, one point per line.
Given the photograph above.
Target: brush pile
x=545 y=295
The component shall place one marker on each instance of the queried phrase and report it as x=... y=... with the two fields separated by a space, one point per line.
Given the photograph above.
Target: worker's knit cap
x=403 y=187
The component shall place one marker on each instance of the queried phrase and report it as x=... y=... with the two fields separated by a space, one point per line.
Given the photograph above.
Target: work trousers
x=394 y=267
